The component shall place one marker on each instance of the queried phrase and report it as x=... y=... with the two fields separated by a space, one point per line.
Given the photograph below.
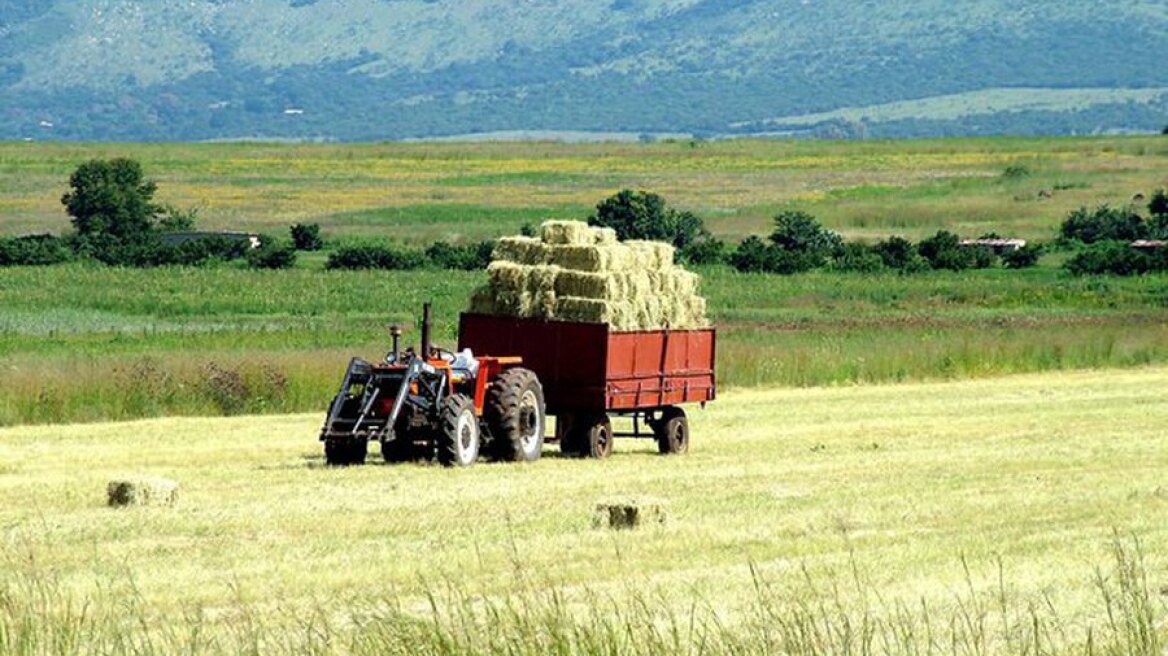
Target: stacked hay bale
x=574 y=272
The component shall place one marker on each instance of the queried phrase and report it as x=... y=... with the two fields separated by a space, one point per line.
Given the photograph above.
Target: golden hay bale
x=566 y=233
x=628 y=513
x=586 y=284
x=620 y=315
x=520 y=250
x=482 y=301
x=581 y=258
x=603 y=236
x=142 y=491
x=653 y=254
x=505 y=275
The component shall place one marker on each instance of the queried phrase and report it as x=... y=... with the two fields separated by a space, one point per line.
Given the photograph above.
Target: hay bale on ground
x=628 y=513
x=142 y=491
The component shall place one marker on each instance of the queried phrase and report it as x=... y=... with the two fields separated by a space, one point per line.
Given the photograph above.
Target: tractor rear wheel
x=595 y=436
x=458 y=437
x=672 y=431
x=516 y=415
x=345 y=452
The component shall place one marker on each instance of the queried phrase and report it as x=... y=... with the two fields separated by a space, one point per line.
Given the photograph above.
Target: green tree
x=645 y=215
x=1104 y=223
x=801 y=233
x=110 y=201
x=1158 y=204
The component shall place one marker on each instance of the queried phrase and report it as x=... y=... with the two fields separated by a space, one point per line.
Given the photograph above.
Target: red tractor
x=436 y=403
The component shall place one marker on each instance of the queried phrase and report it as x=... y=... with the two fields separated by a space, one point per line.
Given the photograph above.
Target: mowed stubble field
x=978 y=516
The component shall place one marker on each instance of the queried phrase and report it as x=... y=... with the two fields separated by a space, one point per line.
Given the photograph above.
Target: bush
x=468 y=257
x=944 y=251
x=1104 y=223
x=799 y=231
x=1015 y=172
x=1023 y=258
x=644 y=215
x=752 y=255
x=376 y=257
x=306 y=237
x=703 y=251
x=1158 y=204
x=857 y=257
x=272 y=254
x=1109 y=257
x=34 y=250
x=899 y=253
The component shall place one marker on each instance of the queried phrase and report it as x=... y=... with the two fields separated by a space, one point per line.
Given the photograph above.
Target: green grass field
x=1004 y=516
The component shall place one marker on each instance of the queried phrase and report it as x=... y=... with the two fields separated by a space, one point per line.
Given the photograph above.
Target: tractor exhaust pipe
x=425 y=331
x=395 y=332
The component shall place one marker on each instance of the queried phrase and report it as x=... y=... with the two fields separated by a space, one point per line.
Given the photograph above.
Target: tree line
x=117 y=222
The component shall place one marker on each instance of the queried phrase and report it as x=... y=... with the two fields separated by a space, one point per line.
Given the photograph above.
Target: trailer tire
x=672 y=431
x=596 y=434
x=459 y=438
x=516 y=416
x=345 y=452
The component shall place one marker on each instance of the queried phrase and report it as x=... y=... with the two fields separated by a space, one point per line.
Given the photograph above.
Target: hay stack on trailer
x=575 y=272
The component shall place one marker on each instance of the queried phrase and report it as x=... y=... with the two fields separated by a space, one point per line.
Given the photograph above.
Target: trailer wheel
x=345 y=452
x=597 y=434
x=458 y=439
x=516 y=415
x=672 y=431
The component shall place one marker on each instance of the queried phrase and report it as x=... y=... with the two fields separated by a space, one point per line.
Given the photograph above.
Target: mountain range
x=402 y=69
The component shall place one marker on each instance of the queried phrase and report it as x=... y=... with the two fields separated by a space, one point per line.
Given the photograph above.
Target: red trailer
x=590 y=372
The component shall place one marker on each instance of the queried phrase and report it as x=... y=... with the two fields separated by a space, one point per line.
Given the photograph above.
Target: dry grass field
x=1014 y=515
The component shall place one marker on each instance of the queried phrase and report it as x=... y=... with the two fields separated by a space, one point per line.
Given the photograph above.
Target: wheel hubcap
x=530 y=426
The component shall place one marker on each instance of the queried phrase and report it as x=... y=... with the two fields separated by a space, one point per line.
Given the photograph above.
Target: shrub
x=752 y=255
x=1104 y=223
x=900 y=254
x=801 y=232
x=34 y=250
x=1109 y=257
x=644 y=215
x=306 y=237
x=371 y=256
x=1158 y=204
x=857 y=257
x=1015 y=172
x=703 y=251
x=272 y=254
x=177 y=219
x=1023 y=258
x=944 y=251
x=467 y=257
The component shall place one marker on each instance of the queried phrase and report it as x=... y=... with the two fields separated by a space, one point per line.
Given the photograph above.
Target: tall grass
x=81 y=343
x=803 y=614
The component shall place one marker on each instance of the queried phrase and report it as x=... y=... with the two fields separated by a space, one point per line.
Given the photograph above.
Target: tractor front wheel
x=458 y=439
x=672 y=431
x=516 y=416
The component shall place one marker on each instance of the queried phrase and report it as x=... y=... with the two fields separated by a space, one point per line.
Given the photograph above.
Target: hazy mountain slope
x=195 y=69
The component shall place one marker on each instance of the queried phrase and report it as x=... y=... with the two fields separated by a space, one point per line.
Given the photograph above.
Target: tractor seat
x=465 y=363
